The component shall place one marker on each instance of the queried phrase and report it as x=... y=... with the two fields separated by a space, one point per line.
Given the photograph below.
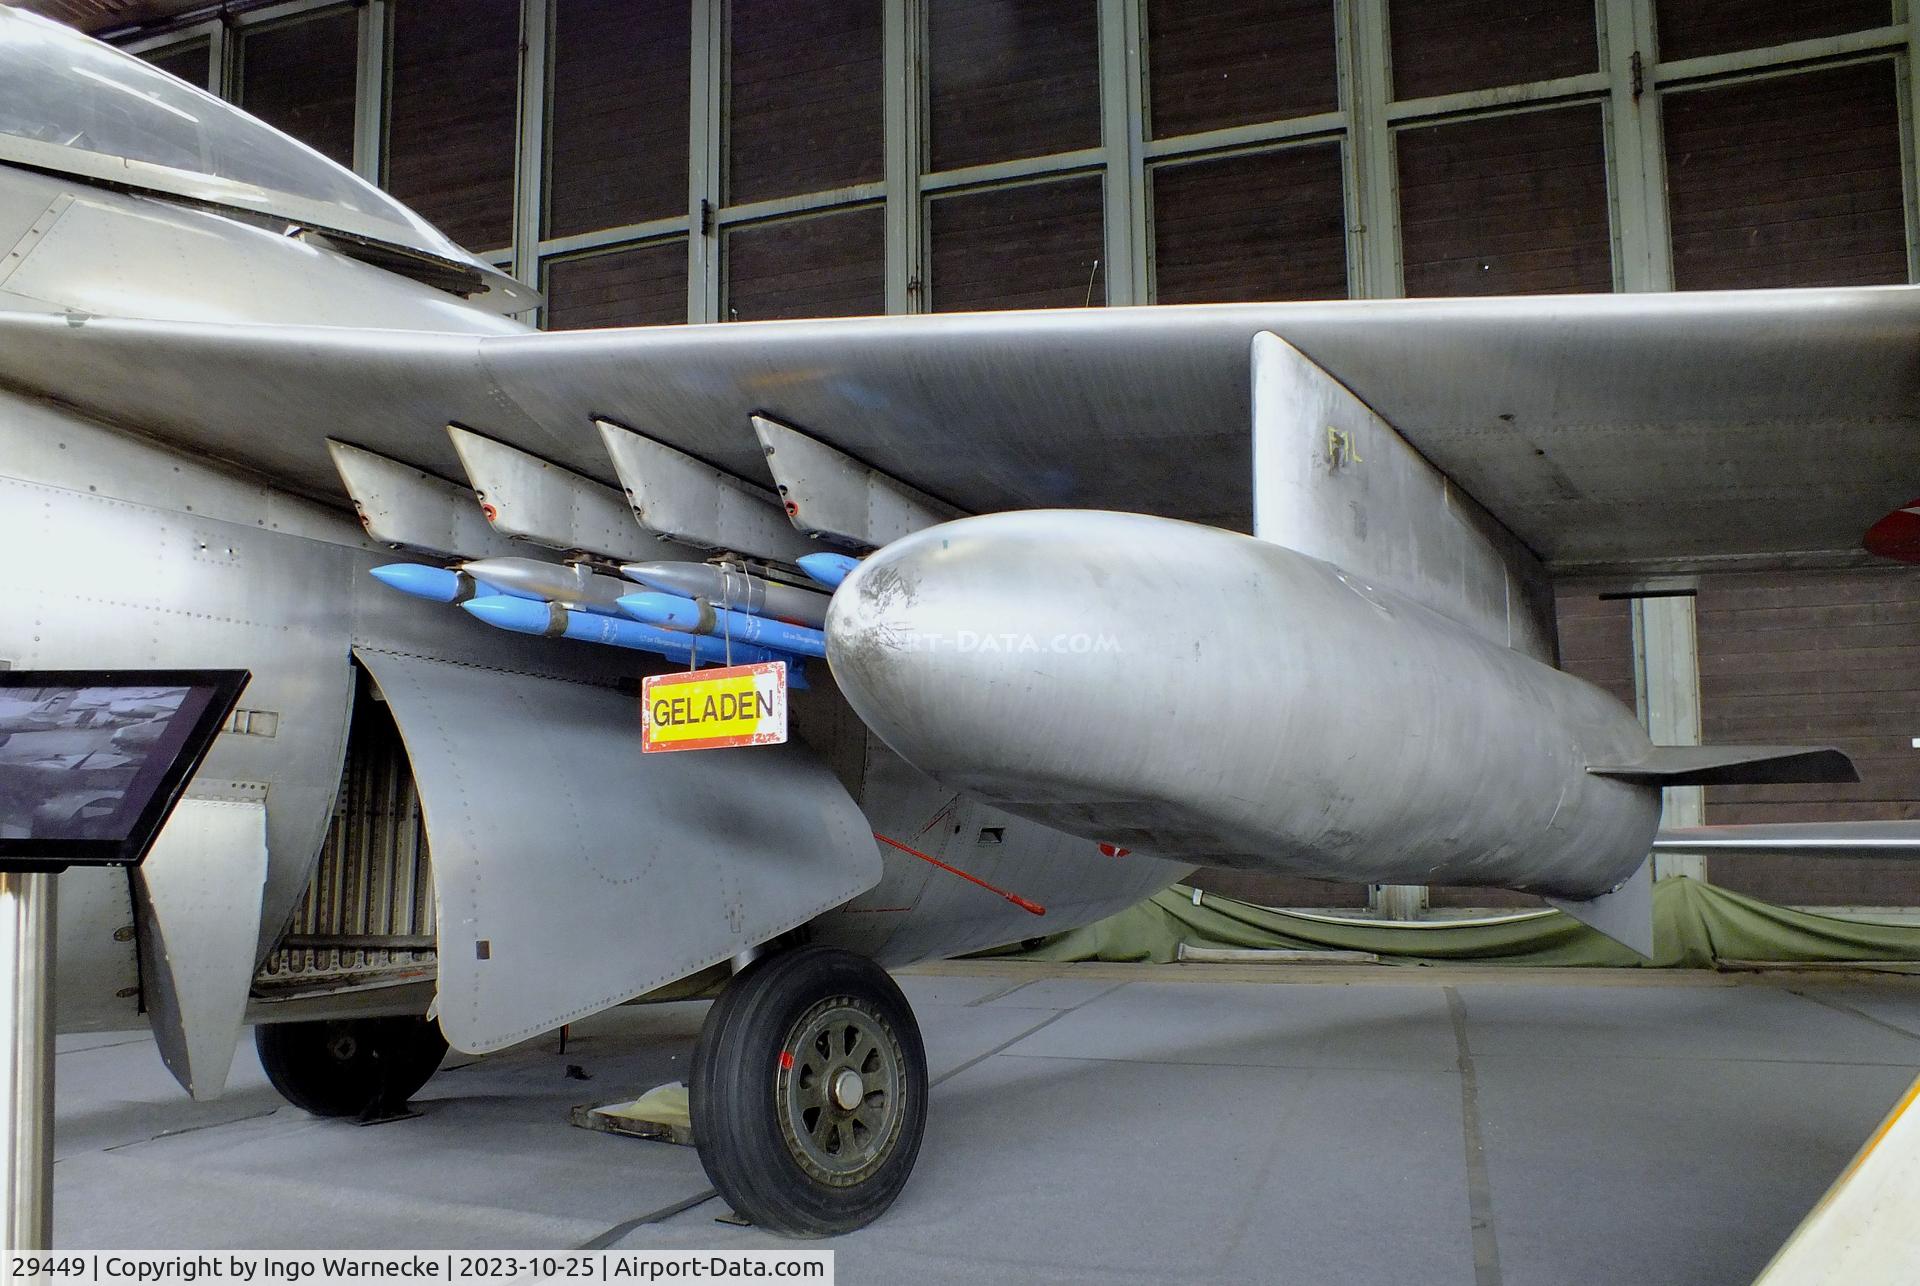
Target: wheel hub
x=848 y=1089
x=841 y=1103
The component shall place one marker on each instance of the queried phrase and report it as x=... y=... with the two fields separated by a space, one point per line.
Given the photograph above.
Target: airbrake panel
x=573 y=872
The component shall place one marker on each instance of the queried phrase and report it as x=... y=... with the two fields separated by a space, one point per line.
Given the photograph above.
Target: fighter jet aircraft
x=1121 y=591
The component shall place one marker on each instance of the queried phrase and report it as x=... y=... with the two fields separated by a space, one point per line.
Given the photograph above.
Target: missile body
x=684 y=614
x=435 y=584
x=828 y=569
x=740 y=591
x=569 y=583
x=550 y=620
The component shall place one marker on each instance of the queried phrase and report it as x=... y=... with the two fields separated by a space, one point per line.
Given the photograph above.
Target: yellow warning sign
x=742 y=705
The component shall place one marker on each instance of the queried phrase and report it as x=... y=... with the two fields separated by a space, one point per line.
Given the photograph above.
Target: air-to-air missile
x=699 y=617
x=435 y=584
x=574 y=584
x=526 y=616
x=740 y=591
x=828 y=569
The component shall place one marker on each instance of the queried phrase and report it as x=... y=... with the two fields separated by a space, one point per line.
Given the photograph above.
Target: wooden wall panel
x=1035 y=246
x=1265 y=226
x=617 y=122
x=1235 y=62
x=451 y=111
x=299 y=77
x=804 y=109
x=1449 y=46
x=824 y=265
x=644 y=286
x=1787 y=181
x=1826 y=659
x=1011 y=78
x=1690 y=28
x=1506 y=205
x=1596 y=642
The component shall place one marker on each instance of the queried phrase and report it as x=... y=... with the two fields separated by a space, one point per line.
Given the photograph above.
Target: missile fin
x=1733 y=766
x=1625 y=914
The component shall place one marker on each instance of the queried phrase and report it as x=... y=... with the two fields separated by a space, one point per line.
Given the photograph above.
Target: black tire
x=350 y=1067
x=793 y=1144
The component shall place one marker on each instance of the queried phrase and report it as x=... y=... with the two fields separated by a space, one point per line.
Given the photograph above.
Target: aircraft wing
x=1617 y=434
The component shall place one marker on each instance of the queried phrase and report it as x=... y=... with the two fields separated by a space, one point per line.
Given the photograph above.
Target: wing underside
x=1625 y=435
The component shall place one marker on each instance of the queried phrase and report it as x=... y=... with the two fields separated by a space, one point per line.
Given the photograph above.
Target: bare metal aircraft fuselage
x=122 y=552
x=213 y=338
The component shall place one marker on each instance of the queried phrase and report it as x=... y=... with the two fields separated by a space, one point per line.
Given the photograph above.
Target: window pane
x=1689 y=28
x=803 y=104
x=1238 y=61
x=645 y=286
x=450 y=133
x=299 y=77
x=1037 y=246
x=1011 y=78
x=1508 y=205
x=1267 y=226
x=826 y=265
x=617 y=151
x=190 y=63
x=1447 y=46
x=1789 y=181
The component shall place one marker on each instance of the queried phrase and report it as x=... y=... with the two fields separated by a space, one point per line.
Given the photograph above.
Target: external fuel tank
x=1198 y=694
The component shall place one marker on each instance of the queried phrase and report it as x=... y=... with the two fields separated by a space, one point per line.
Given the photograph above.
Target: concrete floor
x=1108 y=1122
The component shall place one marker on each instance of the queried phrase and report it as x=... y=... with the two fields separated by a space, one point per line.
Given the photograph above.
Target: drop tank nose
x=993 y=652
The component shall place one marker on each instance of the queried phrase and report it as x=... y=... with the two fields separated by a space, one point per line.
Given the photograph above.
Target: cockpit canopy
x=73 y=105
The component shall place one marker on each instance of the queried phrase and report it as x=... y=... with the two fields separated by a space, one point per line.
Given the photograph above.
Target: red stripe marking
x=1896 y=536
x=1032 y=907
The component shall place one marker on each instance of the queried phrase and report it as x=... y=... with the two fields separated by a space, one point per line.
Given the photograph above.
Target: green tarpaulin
x=1694 y=925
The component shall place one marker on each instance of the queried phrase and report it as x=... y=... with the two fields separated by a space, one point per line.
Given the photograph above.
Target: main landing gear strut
x=809 y=1092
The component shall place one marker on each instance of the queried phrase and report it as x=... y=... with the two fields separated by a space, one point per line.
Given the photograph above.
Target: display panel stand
x=26 y=1075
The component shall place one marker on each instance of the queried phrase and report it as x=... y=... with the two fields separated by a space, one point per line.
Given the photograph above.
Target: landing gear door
x=574 y=872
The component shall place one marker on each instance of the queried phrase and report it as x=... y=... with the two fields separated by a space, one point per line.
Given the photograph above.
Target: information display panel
x=91 y=761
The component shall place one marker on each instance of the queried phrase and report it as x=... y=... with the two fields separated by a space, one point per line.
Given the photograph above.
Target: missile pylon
x=687 y=615
x=740 y=591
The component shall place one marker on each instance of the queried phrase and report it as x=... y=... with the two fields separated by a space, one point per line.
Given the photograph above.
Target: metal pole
x=26 y=1072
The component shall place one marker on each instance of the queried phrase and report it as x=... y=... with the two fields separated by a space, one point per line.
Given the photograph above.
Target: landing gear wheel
x=367 y=1067
x=809 y=1092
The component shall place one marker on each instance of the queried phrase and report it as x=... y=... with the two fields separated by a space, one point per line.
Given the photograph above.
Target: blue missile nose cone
x=521 y=615
x=661 y=609
x=828 y=569
x=420 y=580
